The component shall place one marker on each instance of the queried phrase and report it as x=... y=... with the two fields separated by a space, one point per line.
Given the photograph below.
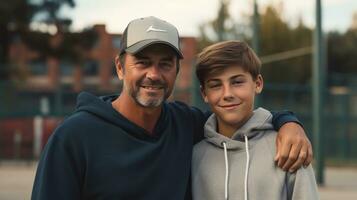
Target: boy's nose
x=227 y=94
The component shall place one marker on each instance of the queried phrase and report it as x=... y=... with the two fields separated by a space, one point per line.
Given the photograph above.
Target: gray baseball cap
x=143 y=32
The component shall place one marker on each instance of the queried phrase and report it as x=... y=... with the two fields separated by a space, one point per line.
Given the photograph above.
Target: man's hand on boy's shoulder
x=293 y=147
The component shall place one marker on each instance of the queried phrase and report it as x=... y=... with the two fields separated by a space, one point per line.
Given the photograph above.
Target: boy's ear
x=119 y=68
x=203 y=94
x=259 y=83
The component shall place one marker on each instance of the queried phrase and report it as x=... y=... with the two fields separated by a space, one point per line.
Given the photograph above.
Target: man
x=136 y=145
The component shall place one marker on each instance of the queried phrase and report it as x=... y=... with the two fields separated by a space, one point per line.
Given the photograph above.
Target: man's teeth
x=151 y=88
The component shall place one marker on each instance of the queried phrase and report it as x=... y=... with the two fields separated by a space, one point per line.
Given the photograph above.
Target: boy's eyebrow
x=236 y=76
x=213 y=80
x=218 y=80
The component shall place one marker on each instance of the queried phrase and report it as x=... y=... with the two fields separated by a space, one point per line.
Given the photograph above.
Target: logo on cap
x=151 y=28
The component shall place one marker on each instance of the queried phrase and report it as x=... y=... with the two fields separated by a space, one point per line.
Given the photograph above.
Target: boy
x=235 y=161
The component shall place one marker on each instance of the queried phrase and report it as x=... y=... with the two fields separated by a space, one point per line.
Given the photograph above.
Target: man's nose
x=154 y=72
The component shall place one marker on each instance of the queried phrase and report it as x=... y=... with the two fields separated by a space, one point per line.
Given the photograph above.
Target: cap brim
x=135 y=48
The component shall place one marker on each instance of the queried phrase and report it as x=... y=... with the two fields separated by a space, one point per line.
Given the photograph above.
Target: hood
x=102 y=108
x=99 y=106
x=261 y=120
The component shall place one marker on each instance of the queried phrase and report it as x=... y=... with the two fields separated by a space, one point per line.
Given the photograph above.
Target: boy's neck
x=227 y=129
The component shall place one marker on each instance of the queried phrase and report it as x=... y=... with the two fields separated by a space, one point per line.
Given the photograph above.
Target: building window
x=38 y=67
x=66 y=68
x=116 y=42
x=91 y=68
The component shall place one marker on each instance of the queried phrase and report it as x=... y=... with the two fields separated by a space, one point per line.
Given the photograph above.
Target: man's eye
x=142 y=62
x=166 y=65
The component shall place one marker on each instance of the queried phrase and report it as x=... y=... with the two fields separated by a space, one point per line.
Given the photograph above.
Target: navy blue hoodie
x=97 y=153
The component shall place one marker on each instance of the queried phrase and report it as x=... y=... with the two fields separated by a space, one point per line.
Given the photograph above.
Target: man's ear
x=203 y=94
x=119 y=67
x=259 y=84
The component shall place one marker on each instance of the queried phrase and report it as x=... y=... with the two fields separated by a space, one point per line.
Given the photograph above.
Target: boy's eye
x=214 y=85
x=237 y=82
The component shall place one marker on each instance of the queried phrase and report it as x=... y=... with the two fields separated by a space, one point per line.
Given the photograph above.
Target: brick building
x=46 y=85
x=96 y=73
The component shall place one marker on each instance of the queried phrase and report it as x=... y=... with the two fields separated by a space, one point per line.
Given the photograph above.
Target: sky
x=187 y=15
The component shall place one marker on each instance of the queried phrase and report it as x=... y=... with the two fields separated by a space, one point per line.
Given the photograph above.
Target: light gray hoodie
x=221 y=170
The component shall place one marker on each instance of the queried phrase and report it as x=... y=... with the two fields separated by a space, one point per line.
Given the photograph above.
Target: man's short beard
x=150 y=103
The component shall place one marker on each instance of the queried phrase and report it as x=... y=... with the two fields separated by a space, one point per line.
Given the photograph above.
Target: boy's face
x=230 y=95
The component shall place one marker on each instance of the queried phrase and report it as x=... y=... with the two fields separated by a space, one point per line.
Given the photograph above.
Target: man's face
x=149 y=75
x=230 y=95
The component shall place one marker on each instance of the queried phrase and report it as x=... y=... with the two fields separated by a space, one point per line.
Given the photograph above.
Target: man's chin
x=150 y=103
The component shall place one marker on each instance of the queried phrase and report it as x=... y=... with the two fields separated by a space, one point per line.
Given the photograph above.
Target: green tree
x=342 y=51
x=16 y=15
x=51 y=10
x=223 y=27
x=277 y=36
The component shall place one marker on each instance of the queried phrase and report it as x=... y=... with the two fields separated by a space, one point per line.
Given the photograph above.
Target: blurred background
x=50 y=50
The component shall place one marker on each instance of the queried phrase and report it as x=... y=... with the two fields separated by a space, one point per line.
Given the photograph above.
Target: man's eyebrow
x=168 y=58
x=139 y=56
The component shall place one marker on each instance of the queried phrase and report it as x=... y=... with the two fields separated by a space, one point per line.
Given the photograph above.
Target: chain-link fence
x=27 y=118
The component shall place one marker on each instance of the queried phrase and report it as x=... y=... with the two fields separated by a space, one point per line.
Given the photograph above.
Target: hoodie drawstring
x=246 y=169
x=227 y=170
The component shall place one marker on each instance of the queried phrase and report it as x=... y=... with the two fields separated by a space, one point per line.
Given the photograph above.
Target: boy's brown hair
x=215 y=58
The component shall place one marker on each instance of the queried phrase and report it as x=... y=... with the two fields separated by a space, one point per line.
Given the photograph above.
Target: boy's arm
x=302 y=184
x=293 y=147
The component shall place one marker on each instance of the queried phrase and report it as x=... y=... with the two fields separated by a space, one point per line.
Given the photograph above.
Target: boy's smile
x=230 y=106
